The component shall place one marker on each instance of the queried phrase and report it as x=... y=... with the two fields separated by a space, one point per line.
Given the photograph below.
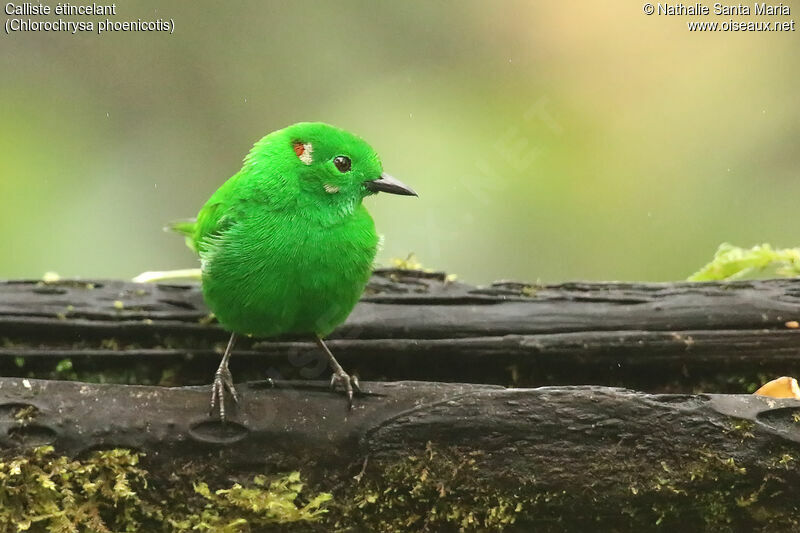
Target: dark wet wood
x=593 y=454
x=577 y=457
x=415 y=325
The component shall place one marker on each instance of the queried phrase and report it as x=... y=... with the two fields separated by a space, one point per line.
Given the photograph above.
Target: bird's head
x=323 y=165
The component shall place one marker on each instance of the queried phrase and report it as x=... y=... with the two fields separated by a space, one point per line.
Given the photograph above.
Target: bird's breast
x=290 y=274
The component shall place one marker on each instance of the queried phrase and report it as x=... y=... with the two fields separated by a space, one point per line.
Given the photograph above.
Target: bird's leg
x=223 y=381
x=340 y=377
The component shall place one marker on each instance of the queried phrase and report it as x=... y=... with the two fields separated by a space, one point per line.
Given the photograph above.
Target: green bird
x=286 y=245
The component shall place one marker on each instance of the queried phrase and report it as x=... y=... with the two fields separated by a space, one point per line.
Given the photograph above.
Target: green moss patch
x=434 y=490
x=109 y=491
x=449 y=489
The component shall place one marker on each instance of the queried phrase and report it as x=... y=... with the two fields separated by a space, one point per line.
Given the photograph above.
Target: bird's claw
x=349 y=384
x=223 y=381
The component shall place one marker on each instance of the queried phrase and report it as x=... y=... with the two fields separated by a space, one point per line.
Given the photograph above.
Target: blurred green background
x=548 y=140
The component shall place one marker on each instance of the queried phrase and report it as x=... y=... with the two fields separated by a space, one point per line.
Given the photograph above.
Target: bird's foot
x=348 y=383
x=223 y=381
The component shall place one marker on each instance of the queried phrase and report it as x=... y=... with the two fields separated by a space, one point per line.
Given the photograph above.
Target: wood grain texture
x=678 y=337
x=569 y=456
x=544 y=459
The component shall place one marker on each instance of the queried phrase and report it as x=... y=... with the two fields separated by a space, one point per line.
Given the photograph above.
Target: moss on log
x=411 y=455
x=429 y=456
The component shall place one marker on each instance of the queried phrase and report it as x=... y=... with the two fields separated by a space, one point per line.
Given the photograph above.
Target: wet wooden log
x=426 y=454
x=547 y=458
x=669 y=337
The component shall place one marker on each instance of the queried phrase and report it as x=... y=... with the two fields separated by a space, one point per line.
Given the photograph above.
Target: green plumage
x=286 y=245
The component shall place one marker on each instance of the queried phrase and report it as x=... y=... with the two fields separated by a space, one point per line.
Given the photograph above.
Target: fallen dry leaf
x=782 y=387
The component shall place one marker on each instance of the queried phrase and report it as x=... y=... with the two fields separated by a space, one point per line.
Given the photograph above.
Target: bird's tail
x=186 y=228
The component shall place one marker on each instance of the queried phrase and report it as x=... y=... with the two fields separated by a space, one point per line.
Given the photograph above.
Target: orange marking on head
x=304 y=151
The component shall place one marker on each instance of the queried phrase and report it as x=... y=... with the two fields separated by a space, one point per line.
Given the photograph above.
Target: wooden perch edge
x=547 y=458
x=667 y=337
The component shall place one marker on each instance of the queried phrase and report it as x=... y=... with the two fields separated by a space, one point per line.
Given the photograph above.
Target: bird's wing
x=211 y=221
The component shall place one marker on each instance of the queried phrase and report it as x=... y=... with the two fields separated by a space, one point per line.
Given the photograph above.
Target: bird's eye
x=342 y=163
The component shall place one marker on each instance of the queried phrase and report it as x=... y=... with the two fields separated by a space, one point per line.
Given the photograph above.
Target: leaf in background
x=732 y=262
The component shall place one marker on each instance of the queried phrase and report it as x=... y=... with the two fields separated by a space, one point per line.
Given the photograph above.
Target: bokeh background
x=548 y=140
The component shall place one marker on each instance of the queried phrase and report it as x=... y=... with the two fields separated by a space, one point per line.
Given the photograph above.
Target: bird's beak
x=386 y=183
